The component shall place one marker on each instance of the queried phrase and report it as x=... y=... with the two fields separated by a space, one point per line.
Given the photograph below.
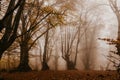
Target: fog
x=92 y=53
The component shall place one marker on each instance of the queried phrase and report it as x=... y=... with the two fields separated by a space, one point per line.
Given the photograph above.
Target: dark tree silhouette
x=10 y=33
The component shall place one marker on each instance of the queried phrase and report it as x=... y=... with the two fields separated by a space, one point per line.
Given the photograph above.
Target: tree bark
x=24 y=57
x=10 y=28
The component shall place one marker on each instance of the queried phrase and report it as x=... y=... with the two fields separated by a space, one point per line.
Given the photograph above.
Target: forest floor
x=61 y=75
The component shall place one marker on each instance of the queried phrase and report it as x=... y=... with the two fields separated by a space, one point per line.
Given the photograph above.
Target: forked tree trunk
x=70 y=64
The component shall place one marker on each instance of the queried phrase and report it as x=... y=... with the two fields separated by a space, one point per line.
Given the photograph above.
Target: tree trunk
x=70 y=65
x=118 y=35
x=24 y=58
x=45 y=66
x=118 y=45
x=11 y=29
x=87 y=62
x=44 y=63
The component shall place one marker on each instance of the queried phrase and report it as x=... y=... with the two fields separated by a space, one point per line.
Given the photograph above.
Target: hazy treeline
x=45 y=34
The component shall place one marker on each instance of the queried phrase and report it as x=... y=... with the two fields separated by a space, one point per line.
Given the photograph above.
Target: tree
x=115 y=8
x=10 y=24
x=53 y=21
x=29 y=27
x=114 y=5
x=67 y=42
x=34 y=19
x=89 y=46
x=27 y=31
x=88 y=29
x=44 y=62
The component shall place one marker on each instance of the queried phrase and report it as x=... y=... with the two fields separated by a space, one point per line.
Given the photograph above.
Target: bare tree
x=114 y=5
x=88 y=30
x=67 y=41
x=89 y=49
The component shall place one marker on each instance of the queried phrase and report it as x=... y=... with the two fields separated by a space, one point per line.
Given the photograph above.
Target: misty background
x=72 y=45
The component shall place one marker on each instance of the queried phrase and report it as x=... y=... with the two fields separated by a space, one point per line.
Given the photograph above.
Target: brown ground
x=61 y=75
